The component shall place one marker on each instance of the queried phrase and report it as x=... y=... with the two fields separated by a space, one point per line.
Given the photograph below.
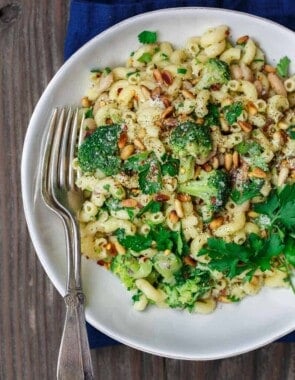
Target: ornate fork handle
x=74 y=362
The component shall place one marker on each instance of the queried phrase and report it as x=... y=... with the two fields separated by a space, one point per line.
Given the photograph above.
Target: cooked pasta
x=188 y=171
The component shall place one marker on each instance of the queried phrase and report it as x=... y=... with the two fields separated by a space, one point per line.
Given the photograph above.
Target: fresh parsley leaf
x=291 y=132
x=287 y=215
x=283 y=66
x=89 y=113
x=147 y=37
x=232 y=112
x=95 y=70
x=268 y=207
x=145 y=58
x=135 y=242
x=232 y=259
x=181 y=70
x=289 y=251
x=150 y=180
x=137 y=162
x=152 y=206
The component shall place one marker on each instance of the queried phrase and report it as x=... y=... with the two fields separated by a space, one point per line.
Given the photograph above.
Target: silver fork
x=62 y=196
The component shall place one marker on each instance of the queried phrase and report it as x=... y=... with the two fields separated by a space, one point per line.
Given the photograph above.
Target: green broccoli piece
x=191 y=284
x=191 y=139
x=100 y=151
x=214 y=72
x=212 y=187
x=251 y=152
x=247 y=190
x=129 y=269
x=167 y=265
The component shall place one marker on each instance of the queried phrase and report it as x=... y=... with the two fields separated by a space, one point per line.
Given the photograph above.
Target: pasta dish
x=188 y=170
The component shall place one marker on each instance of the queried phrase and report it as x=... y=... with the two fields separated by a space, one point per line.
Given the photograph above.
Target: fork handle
x=74 y=360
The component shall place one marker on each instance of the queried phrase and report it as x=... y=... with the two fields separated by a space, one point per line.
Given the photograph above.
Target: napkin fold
x=87 y=18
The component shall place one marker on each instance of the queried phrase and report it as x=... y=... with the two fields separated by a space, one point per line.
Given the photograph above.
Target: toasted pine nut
x=223 y=299
x=263 y=233
x=197 y=171
x=277 y=84
x=119 y=248
x=127 y=151
x=200 y=120
x=167 y=112
x=167 y=77
x=145 y=92
x=184 y=197
x=122 y=140
x=165 y=101
x=224 y=124
x=187 y=94
x=269 y=69
x=228 y=161
x=189 y=261
x=158 y=76
x=283 y=125
x=215 y=223
x=242 y=40
x=167 y=252
x=252 y=108
x=283 y=175
x=138 y=144
x=129 y=202
x=245 y=126
x=173 y=217
x=178 y=208
x=226 y=102
x=252 y=214
x=156 y=92
x=207 y=167
x=236 y=159
x=215 y=163
x=85 y=102
x=161 y=197
x=257 y=173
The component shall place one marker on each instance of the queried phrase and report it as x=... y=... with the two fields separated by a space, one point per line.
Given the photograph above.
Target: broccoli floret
x=252 y=153
x=191 y=284
x=167 y=265
x=191 y=139
x=214 y=71
x=100 y=151
x=247 y=190
x=212 y=187
x=128 y=269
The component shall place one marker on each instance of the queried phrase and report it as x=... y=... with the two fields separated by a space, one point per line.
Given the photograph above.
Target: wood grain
x=31 y=315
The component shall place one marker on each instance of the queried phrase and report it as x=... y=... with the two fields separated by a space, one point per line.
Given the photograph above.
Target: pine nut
x=257 y=173
x=145 y=92
x=246 y=127
x=283 y=175
x=252 y=214
x=228 y=161
x=122 y=140
x=178 y=208
x=189 y=261
x=242 y=40
x=215 y=223
x=138 y=144
x=184 y=197
x=156 y=92
x=167 y=112
x=85 y=102
x=187 y=94
x=158 y=76
x=269 y=69
x=207 y=167
x=252 y=110
x=236 y=159
x=173 y=217
x=161 y=197
x=119 y=248
x=167 y=77
x=129 y=202
x=224 y=124
x=283 y=125
x=127 y=151
x=215 y=162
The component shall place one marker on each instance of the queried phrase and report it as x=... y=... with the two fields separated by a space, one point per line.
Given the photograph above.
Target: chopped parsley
x=89 y=113
x=145 y=58
x=232 y=112
x=291 y=132
x=181 y=70
x=283 y=66
x=147 y=37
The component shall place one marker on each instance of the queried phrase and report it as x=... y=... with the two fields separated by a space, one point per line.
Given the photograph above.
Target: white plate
x=231 y=329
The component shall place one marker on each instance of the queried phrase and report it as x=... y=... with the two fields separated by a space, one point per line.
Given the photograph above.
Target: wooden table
x=32 y=34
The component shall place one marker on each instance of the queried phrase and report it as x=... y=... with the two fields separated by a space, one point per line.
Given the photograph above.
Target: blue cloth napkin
x=90 y=17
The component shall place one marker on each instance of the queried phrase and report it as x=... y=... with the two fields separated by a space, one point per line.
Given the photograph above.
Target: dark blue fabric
x=89 y=18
